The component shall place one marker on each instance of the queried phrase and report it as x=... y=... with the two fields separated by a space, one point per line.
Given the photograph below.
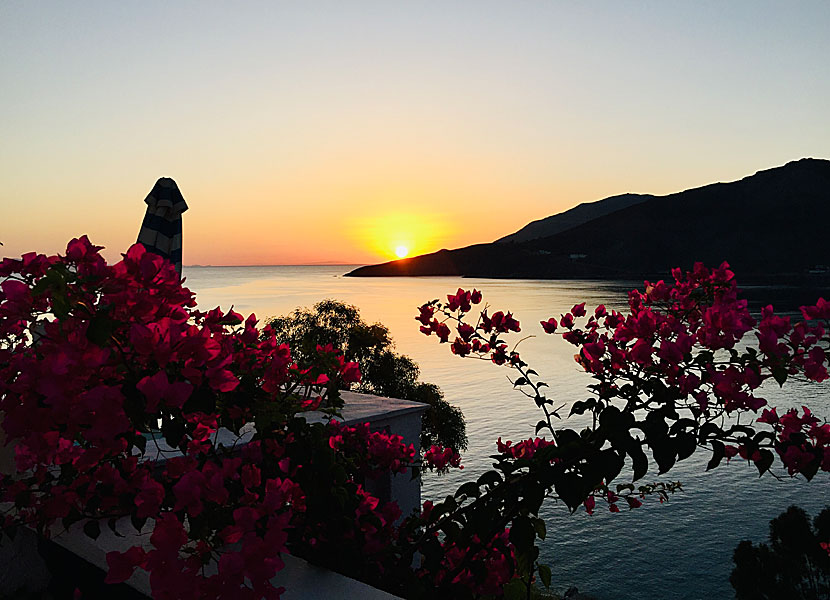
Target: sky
x=314 y=132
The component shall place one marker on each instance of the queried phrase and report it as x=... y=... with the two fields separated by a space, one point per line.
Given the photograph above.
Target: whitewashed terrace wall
x=21 y=567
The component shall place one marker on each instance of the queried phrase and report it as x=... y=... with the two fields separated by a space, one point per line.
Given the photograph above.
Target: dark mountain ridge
x=582 y=213
x=769 y=226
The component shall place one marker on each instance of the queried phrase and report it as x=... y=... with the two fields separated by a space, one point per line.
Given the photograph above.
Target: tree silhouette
x=795 y=565
x=384 y=372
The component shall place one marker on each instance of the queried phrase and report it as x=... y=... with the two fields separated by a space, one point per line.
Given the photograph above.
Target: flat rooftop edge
x=362 y=408
x=357 y=409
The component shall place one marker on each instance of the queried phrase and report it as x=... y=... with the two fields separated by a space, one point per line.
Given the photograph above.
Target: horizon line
x=315 y=264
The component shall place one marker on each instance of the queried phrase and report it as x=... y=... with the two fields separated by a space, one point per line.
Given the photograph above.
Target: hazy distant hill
x=574 y=217
x=771 y=224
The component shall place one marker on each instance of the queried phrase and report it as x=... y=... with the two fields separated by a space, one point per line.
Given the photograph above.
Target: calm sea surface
x=679 y=550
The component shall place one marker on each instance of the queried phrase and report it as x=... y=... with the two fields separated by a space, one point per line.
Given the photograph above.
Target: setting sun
x=392 y=235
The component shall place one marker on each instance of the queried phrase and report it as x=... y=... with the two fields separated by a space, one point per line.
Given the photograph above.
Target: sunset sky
x=310 y=132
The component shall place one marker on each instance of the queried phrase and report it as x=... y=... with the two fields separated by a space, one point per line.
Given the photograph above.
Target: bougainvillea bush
x=678 y=372
x=104 y=366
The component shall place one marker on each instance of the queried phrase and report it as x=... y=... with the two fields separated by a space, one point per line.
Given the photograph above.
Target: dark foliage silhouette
x=794 y=565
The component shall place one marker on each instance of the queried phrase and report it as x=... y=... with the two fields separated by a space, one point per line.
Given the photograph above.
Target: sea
x=681 y=549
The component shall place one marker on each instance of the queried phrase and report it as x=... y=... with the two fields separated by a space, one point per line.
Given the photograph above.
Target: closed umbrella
x=161 y=231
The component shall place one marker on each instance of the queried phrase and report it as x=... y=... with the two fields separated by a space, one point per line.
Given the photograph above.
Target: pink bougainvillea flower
x=590 y=504
x=441 y=459
x=549 y=326
x=460 y=301
x=443 y=332
x=460 y=347
x=122 y=565
x=466 y=331
x=350 y=373
x=578 y=310
x=821 y=310
x=426 y=314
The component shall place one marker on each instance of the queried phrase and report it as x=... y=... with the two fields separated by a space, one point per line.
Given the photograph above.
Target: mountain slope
x=582 y=213
x=772 y=223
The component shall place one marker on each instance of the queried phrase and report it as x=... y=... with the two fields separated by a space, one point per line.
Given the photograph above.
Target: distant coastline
x=770 y=227
x=313 y=264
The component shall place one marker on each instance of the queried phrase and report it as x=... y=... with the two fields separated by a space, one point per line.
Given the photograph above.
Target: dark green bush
x=793 y=566
x=385 y=372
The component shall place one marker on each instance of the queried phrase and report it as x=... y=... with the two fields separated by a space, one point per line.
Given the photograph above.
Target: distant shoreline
x=321 y=264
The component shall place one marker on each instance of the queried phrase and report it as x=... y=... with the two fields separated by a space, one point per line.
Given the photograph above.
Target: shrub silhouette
x=793 y=566
x=384 y=372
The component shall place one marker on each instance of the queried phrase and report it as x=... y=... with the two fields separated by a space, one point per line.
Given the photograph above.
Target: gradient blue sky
x=336 y=131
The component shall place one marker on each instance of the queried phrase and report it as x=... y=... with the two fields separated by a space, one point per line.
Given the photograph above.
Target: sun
x=401 y=251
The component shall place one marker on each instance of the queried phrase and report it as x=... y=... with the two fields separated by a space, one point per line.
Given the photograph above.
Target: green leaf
x=451 y=530
x=763 y=435
x=745 y=429
x=230 y=319
x=137 y=523
x=432 y=552
x=685 y=444
x=111 y=523
x=490 y=478
x=522 y=534
x=708 y=430
x=541 y=528
x=765 y=462
x=70 y=519
x=173 y=431
x=544 y=575
x=809 y=471
x=100 y=329
x=718 y=452
x=469 y=489
x=705 y=357
x=610 y=417
x=341 y=495
x=664 y=454
x=373 y=520
x=140 y=442
x=655 y=425
x=568 y=437
x=639 y=461
x=610 y=464
x=203 y=399
x=199 y=526
x=547 y=454
x=682 y=425
x=92 y=528
x=516 y=589
x=60 y=306
x=570 y=487
x=578 y=407
x=339 y=474
x=780 y=375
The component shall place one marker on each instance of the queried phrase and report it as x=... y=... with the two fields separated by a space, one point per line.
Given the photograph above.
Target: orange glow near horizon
x=392 y=236
x=412 y=125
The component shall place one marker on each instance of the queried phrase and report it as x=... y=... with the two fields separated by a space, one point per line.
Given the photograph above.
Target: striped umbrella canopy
x=161 y=231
